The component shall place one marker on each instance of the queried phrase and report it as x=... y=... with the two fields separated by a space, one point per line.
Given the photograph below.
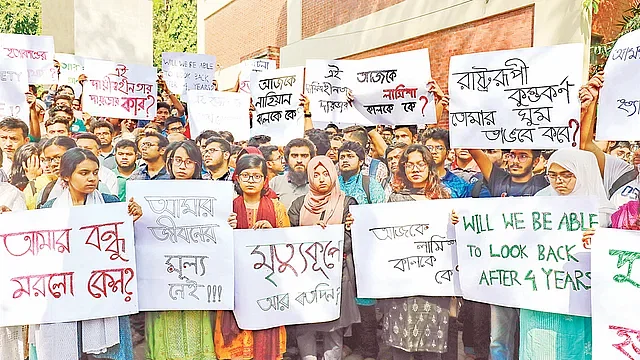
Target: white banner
x=59 y=265
x=392 y=89
x=288 y=276
x=13 y=86
x=527 y=252
x=327 y=86
x=184 y=71
x=219 y=110
x=276 y=95
x=616 y=321
x=38 y=53
x=184 y=244
x=253 y=66
x=516 y=99
x=619 y=102
x=71 y=66
x=125 y=91
x=396 y=243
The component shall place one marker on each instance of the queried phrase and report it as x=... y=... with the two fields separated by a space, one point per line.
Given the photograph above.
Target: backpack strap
x=476 y=189
x=623 y=180
x=366 y=182
x=45 y=193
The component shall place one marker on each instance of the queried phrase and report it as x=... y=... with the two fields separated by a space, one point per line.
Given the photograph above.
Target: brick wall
x=510 y=30
x=322 y=15
x=244 y=27
x=605 y=22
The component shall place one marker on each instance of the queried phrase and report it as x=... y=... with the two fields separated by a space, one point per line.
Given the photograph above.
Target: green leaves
x=630 y=22
x=20 y=17
x=174 y=27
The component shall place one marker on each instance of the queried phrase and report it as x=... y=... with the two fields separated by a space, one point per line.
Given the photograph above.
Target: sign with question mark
x=127 y=91
x=516 y=99
x=13 y=86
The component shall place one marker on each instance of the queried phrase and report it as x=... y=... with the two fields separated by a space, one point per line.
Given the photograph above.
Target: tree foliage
x=174 y=27
x=591 y=5
x=630 y=22
x=20 y=17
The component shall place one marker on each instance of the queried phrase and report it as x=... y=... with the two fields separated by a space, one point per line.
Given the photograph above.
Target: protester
x=49 y=185
x=407 y=134
x=152 y=147
x=252 y=210
x=293 y=183
x=126 y=153
x=258 y=140
x=424 y=338
x=108 y=182
x=272 y=155
x=13 y=134
x=571 y=173
x=325 y=204
x=201 y=139
x=26 y=167
x=372 y=167
x=216 y=159
x=105 y=132
x=336 y=143
x=173 y=125
x=79 y=172
x=320 y=139
x=57 y=126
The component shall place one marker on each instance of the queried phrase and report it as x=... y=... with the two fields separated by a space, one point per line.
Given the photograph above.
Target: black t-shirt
x=500 y=184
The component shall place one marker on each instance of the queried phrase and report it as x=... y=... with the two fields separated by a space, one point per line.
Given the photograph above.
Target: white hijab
x=584 y=166
x=64 y=199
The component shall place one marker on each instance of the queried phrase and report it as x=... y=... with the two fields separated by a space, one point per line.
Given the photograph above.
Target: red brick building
x=292 y=31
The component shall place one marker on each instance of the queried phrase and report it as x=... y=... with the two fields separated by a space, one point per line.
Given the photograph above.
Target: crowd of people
x=66 y=157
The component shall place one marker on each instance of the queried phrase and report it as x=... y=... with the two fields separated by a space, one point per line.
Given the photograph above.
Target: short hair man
x=361 y=187
x=152 y=147
x=13 y=134
x=215 y=156
x=104 y=131
x=336 y=143
x=126 y=154
x=258 y=140
x=173 y=125
x=108 y=182
x=294 y=182
x=57 y=126
x=76 y=124
x=272 y=155
x=163 y=111
x=407 y=134
x=372 y=167
x=320 y=139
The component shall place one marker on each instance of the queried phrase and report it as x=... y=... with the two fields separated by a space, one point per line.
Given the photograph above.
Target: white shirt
x=109 y=180
x=6 y=164
x=613 y=169
x=11 y=197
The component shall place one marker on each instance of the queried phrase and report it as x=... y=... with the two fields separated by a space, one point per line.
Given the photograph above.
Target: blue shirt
x=142 y=173
x=457 y=187
x=353 y=187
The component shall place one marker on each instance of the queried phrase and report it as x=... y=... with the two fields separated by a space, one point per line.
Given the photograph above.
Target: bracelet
x=307 y=115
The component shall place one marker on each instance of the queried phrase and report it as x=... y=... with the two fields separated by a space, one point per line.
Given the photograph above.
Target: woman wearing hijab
x=326 y=204
x=252 y=210
x=552 y=336
x=416 y=327
x=186 y=334
x=78 y=170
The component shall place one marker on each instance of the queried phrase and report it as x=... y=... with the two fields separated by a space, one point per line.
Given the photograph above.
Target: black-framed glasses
x=253 y=177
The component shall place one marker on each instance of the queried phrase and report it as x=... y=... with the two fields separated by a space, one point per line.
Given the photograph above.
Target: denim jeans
x=504 y=323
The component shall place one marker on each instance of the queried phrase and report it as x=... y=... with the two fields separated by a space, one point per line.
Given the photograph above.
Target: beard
x=298 y=178
x=524 y=171
x=347 y=174
x=127 y=168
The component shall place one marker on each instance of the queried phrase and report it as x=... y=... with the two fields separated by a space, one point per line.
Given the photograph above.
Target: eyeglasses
x=437 y=147
x=175 y=129
x=147 y=145
x=520 y=157
x=186 y=162
x=565 y=177
x=253 y=177
x=55 y=159
x=210 y=151
x=420 y=166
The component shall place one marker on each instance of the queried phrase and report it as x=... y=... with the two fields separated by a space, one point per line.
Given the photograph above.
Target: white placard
x=184 y=71
x=250 y=66
x=396 y=243
x=125 y=91
x=619 y=102
x=516 y=99
x=327 y=85
x=288 y=276
x=614 y=296
x=59 y=265
x=13 y=86
x=38 y=53
x=276 y=95
x=184 y=244
x=71 y=66
x=527 y=252
x=392 y=89
x=219 y=110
